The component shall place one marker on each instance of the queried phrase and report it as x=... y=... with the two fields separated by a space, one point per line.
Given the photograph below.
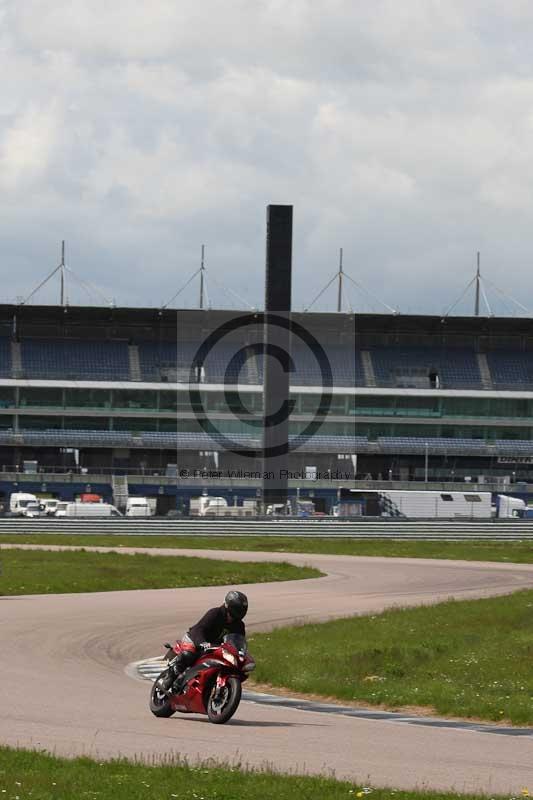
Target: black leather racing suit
x=211 y=628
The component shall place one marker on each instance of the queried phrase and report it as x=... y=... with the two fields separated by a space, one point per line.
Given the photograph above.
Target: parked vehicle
x=508 y=507
x=19 y=501
x=88 y=510
x=212 y=685
x=61 y=509
x=48 y=506
x=138 y=507
x=278 y=510
x=206 y=505
x=32 y=510
x=407 y=504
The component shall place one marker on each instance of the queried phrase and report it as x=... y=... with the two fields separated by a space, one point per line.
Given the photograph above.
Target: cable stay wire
x=508 y=308
x=40 y=286
x=449 y=311
x=89 y=287
x=227 y=290
x=349 y=301
x=372 y=296
x=193 y=276
x=481 y=283
x=506 y=295
x=206 y=290
x=339 y=275
x=485 y=298
x=309 y=307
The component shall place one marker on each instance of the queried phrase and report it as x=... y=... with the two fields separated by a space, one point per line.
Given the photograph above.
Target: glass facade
x=86 y=398
x=487 y=418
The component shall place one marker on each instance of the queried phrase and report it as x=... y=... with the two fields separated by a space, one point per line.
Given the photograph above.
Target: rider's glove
x=205 y=646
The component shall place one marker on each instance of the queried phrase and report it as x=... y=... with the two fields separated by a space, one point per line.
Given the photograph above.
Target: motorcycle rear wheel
x=223 y=703
x=160 y=702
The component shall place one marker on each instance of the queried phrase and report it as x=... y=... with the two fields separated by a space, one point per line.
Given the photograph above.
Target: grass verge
x=47 y=572
x=516 y=552
x=26 y=774
x=468 y=659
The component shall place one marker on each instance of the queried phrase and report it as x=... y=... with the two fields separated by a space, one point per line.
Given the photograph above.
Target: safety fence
x=495 y=530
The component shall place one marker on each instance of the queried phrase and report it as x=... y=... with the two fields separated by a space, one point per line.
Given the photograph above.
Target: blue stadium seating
x=168 y=440
x=346 y=366
x=393 y=366
x=511 y=369
x=327 y=444
x=514 y=447
x=396 y=366
x=157 y=358
x=5 y=358
x=70 y=359
x=417 y=445
x=174 y=361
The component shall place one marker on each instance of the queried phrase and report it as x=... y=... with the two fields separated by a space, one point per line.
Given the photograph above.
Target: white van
x=32 y=510
x=19 y=501
x=61 y=510
x=49 y=506
x=138 y=507
x=88 y=510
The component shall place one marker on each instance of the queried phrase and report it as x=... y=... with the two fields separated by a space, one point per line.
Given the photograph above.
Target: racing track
x=64 y=687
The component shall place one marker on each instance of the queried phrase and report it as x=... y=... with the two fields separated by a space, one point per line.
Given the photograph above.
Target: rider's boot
x=178 y=684
x=174 y=669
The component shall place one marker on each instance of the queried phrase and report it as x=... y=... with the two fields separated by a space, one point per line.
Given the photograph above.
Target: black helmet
x=237 y=604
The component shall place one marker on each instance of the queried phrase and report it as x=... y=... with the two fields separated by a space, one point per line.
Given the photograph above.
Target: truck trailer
x=406 y=504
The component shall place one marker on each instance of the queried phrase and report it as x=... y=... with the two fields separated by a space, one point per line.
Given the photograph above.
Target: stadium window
x=309 y=403
x=42 y=397
x=39 y=423
x=336 y=406
x=133 y=399
x=448 y=498
x=174 y=401
x=472 y=498
x=87 y=398
x=167 y=425
x=134 y=424
x=7 y=397
x=216 y=401
x=86 y=423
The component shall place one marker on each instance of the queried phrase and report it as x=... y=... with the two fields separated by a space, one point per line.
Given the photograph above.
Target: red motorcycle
x=212 y=685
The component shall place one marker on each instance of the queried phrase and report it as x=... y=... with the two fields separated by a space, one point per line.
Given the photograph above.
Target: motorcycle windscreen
x=237 y=640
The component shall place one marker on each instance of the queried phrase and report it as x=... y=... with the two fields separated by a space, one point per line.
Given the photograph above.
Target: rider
x=209 y=630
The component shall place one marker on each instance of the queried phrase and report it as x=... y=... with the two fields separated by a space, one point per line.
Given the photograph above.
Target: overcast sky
x=400 y=131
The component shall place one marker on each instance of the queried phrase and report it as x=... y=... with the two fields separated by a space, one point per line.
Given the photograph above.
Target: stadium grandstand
x=98 y=399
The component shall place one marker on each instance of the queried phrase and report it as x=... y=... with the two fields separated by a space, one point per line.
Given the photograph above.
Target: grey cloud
x=400 y=131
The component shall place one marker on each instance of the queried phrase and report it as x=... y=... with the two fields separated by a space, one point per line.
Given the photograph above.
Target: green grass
x=459 y=658
x=517 y=552
x=47 y=572
x=26 y=774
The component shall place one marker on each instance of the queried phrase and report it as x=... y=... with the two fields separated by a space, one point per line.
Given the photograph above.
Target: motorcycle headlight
x=230 y=657
x=249 y=666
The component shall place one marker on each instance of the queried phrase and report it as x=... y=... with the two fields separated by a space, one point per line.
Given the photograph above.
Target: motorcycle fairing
x=195 y=680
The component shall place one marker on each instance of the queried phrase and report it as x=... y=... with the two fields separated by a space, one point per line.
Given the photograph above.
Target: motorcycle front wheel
x=159 y=701
x=224 y=701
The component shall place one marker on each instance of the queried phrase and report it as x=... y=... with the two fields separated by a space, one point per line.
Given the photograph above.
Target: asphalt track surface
x=64 y=689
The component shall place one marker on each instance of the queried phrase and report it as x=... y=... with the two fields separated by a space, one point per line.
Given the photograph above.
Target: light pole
x=426 y=463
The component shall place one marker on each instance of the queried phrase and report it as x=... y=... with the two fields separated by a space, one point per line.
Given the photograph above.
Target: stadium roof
x=104 y=322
